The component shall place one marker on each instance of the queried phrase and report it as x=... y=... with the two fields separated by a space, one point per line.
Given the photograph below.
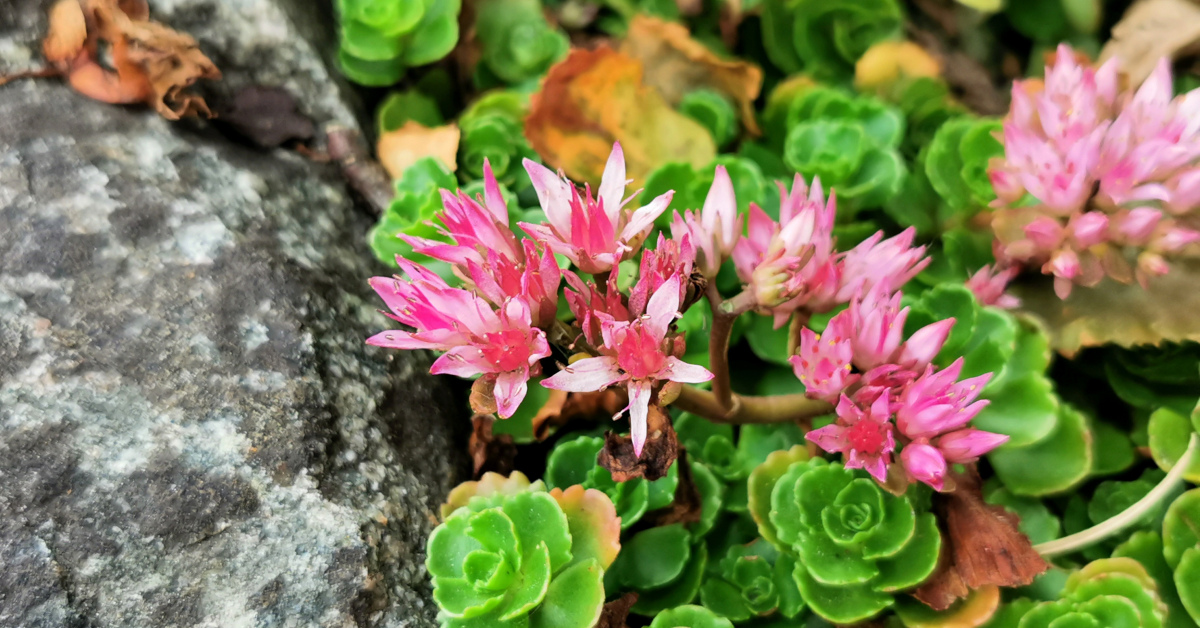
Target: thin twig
x=749 y=408
x=718 y=348
x=38 y=73
x=1126 y=518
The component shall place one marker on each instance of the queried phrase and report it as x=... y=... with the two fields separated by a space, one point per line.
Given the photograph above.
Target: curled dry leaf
x=676 y=64
x=658 y=454
x=150 y=63
x=489 y=452
x=616 y=612
x=1167 y=310
x=483 y=400
x=406 y=145
x=563 y=408
x=982 y=547
x=595 y=97
x=1151 y=30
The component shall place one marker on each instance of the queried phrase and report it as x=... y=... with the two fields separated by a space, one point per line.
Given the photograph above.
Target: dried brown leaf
x=67 y=32
x=686 y=506
x=406 y=145
x=1151 y=30
x=596 y=97
x=676 y=64
x=488 y=451
x=614 y=613
x=658 y=454
x=482 y=399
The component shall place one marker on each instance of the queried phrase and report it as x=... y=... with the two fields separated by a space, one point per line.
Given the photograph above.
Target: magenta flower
x=891 y=263
x=967 y=445
x=936 y=402
x=716 y=228
x=924 y=463
x=476 y=228
x=669 y=258
x=989 y=285
x=595 y=233
x=863 y=437
x=502 y=345
x=534 y=281
x=823 y=363
x=790 y=264
x=638 y=354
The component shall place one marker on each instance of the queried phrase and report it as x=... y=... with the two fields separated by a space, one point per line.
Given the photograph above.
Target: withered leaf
x=563 y=408
x=658 y=454
x=1151 y=30
x=676 y=64
x=982 y=546
x=150 y=63
x=488 y=451
x=404 y=146
x=482 y=399
x=596 y=97
x=687 y=503
x=614 y=613
x=266 y=116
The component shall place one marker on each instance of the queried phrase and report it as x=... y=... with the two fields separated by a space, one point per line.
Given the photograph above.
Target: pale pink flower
x=670 y=258
x=877 y=321
x=791 y=263
x=936 y=403
x=989 y=285
x=534 y=281
x=475 y=227
x=863 y=437
x=967 y=445
x=891 y=263
x=502 y=345
x=823 y=363
x=924 y=463
x=591 y=305
x=638 y=354
x=594 y=233
x=716 y=228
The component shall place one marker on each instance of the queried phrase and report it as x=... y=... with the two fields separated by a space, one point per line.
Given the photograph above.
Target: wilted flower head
x=716 y=228
x=595 y=233
x=636 y=353
x=1103 y=166
x=502 y=345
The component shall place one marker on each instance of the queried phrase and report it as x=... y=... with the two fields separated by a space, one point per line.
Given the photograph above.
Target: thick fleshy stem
x=724 y=314
x=1126 y=518
x=750 y=409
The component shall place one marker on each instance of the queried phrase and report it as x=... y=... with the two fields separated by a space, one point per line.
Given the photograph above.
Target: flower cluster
x=792 y=265
x=885 y=386
x=1110 y=172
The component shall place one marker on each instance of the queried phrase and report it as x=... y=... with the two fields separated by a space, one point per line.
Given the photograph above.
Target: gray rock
x=192 y=432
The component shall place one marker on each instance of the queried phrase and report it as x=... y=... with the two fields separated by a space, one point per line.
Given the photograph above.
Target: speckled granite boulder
x=192 y=432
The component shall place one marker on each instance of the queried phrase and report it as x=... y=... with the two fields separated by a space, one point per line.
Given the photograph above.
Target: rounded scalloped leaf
x=572 y=460
x=915 y=562
x=976 y=610
x=574 y=599
x=1025 y=408
x=689 y=616
x=762 y=481
x=593 y=522
x=1009 y=614
x=939 y=303
x=841 y=605
x=682 y=591
x=724 y=599
x=944 y=163
x=1170 y=433
x=1053 y=465
x=1147 y=548
x=712 y=493
x=487 y=486
x=653 y=558
x=1181 y=527
x=1098 y=570
x=1114 y=450
x=831 y=149
x=1111 y=498
x=1187 y=581
x=991 y=345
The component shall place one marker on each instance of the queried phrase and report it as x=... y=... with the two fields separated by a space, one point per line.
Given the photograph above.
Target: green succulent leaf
x=1052 y=465
x=574 y=598
x=826 y=37
x=1113 y=449
x=653 y=558
x=1169 y=434
x=689 y=616
x=712 y=494
x=842 y=605
x=683 y=590
x=380 y=39
x=1181 y=527
x=1187 y=581
x=1146 y=547
x=714 y=111
x=1112 y=498
x=762 y=482
x=516 y=41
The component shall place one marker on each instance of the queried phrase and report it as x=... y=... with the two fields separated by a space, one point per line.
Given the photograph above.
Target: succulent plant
x=492 y=130
x=752 y=581
x=826 y=37
x=713 y=110
x=523 y=557
x=689 y=616
x=516 y=42
x=380 y=39
x=573 y=461
x=956 y=162
x=855 y=545
x=1106 y=592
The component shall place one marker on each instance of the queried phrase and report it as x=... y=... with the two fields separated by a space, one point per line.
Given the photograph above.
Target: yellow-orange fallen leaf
x=1151 y=30
x=888 y=61
x=676 y=64
x=148 y=62
x=595 y=97
x=1167 y=310
x=404 y=146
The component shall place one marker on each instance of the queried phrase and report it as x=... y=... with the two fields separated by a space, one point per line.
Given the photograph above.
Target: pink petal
x=463 y=361
x=923 y=346
x=510 y=391
x=639 y=408
x=397 y=339
x=643 y=218
x=924 y=463
x=967 y=445
x=719 y=214
x=612 y=183
x=663 y=306
x=831 y=438
x=586 y=375
x=554 y=194
x=492 y=198
x=677 y=370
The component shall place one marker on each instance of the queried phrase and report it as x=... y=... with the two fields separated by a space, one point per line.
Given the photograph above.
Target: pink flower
x=590 y=305
x=637 y=354
x=924 y=463
x=891 y=262
x=475 y=228
x=823 y=365
x=863 y=437
x=502 y=345
x=967 y=445
x=534 y=281
x=716 y=228
x=878 y=327
x=669 y=258
x=790 y=264
x=594 y=233
x=988 y=285
x=936 y=403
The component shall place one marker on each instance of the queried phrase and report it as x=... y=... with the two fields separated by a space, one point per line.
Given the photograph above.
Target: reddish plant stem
x=724 y=314
x=750 y=409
